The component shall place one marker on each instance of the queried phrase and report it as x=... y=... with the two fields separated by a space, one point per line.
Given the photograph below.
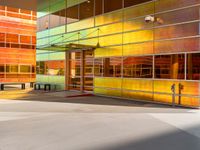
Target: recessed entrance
x=80 y=70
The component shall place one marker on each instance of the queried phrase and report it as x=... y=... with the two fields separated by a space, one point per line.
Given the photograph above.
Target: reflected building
x=134 y=49
x=17 y=45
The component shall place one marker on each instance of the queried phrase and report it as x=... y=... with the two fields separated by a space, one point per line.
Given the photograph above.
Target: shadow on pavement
x=62 y=97
x=173 y=140
x=90 y=99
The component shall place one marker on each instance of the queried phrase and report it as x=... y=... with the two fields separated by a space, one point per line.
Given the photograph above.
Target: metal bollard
x=181 y=87
x=173 y=89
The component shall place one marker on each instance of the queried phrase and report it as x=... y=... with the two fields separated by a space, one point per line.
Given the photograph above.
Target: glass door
x=81 y=70
x=75 y=70
x=88 y=67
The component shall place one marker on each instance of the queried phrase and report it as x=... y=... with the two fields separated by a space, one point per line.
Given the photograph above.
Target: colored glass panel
x=17 y=51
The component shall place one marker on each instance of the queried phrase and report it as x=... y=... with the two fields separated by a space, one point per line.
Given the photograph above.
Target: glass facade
x=17 y=45
x=137 y=49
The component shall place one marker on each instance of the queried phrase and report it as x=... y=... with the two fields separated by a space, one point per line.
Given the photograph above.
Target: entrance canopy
x=66 y=47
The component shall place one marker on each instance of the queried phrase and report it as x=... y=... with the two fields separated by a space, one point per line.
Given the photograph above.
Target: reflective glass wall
x=143 y=47
x=17 y=45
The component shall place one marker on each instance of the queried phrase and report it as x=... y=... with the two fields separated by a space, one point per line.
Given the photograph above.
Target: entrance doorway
x=80 y=70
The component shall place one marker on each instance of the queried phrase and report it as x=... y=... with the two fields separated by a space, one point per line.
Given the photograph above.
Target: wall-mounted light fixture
x=153 y=19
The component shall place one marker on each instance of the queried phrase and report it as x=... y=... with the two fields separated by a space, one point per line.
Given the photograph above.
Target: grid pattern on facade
x=136 y=58
x=17 y=45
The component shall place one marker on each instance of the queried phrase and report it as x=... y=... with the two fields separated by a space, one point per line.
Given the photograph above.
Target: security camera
x=149 y=19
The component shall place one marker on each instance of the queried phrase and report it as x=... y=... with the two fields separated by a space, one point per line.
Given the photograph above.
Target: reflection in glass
x=138 y=67
x=86 y=9
x=54 y=19
x=108 y=67
x=75 y=83
x=43 y=23
x=12 y=68
x=25 y=68
x=50 y=67
x=193 y=66
x=128 y=3
x=170 y=66
x=98 y=7
x=176 y=16
x=163 y=5
x=2 y=68
x=72 y=14
x=88 y=63
x=98 y=67
x=111 y=5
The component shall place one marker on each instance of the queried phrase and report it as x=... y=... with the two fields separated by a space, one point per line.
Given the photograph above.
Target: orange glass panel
x=12 y=38
x=25 y=11
x=33 y=39
x=25 y=39
x=13 y=15
x=13 y=9
x=2 y=37
x=2 y=7
x=17 y=52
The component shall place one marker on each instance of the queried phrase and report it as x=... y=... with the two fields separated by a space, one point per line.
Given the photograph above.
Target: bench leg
x=31 y=84
x=49 y=87
x=23 y=86
x=2 y=87
x=45 y=87
x=39 y=87
x=35 y=86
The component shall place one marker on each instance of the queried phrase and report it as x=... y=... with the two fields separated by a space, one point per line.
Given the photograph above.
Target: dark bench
x=32 y=84
x=2 y=85
x=47 y=86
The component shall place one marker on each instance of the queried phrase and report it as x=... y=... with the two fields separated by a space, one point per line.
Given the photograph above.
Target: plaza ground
x=32 y=120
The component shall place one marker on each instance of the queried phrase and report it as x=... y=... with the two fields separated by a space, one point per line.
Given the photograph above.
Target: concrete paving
x=32 y=120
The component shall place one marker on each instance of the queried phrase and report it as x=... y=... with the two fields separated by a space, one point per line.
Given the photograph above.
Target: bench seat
x=47 y=86
x=23 y=85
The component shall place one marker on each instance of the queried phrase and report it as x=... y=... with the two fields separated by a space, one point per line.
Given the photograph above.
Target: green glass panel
x=57 y=56
x=42 y=34
x=57 y=30
x=41 y=57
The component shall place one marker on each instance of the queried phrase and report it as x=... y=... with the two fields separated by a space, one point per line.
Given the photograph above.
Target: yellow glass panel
x=136 y=24
x=137 y=95
x=140 y=36
x=164 y=98
x=88 y=23
x=141 y=85
x=110 y=29
x=71 y=36
x=190 y=101
x=189 y=88
x=110 y=40
x=138 y=49
x=109 y=18
x=88 y=33
x=108 y=82
x=107 y=92
x=108 y=51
